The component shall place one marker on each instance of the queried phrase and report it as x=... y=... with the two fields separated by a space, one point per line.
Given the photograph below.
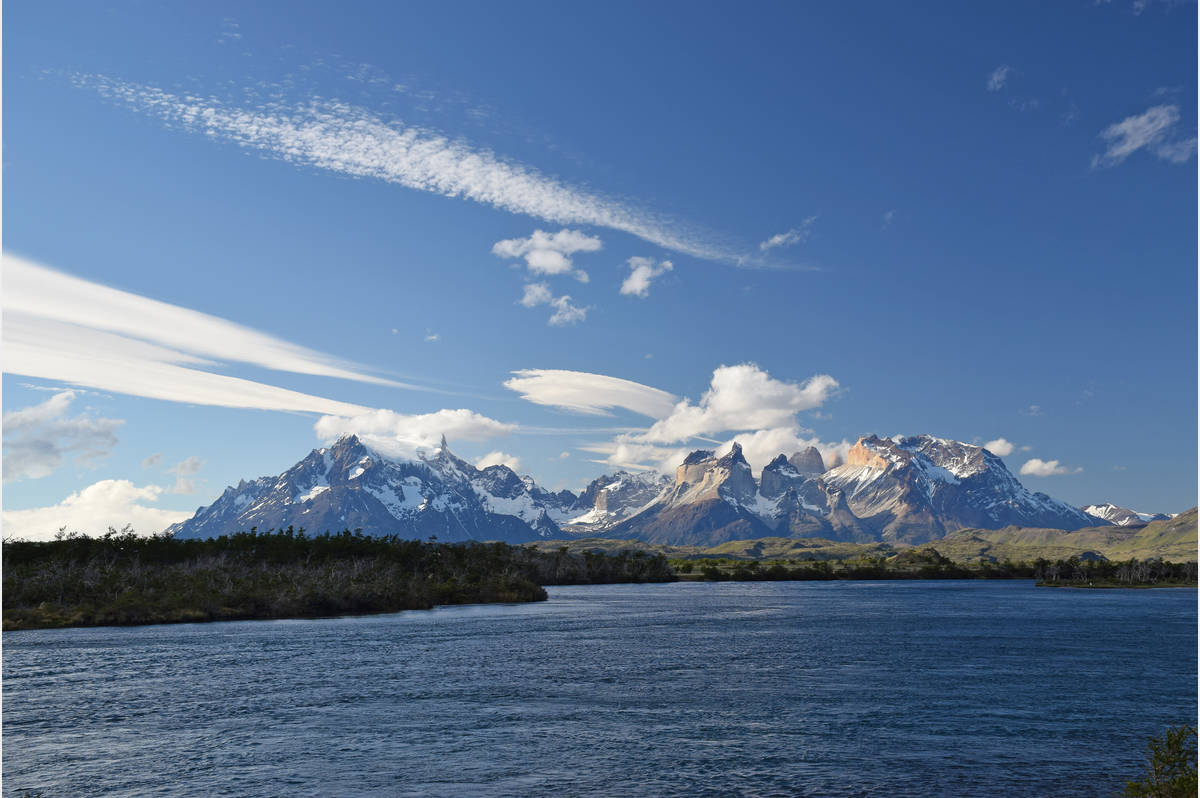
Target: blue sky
x=975 y=222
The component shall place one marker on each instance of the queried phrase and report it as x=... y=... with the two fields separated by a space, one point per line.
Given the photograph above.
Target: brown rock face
x=808 y=461
x=862 y=455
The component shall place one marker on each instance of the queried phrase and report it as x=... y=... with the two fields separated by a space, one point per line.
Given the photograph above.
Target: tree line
x=121 y=578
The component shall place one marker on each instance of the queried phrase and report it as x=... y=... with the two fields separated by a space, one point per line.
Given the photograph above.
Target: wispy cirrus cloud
x=998 y=77
x=1156 y=131
x=796 y=235
x=353 y=141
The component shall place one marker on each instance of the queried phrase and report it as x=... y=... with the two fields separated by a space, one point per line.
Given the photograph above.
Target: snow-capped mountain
x=349 y=485
x=1122 y=516
x=907 y=490
x=612 y=498
x=917 y=488
x=712 y=500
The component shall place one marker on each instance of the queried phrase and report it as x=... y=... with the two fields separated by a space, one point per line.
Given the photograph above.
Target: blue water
x=754 y=689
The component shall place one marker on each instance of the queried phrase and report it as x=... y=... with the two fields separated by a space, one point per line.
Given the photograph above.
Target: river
x=932 y=688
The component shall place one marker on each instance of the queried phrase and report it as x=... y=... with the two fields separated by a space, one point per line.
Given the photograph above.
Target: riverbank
x=124 y=580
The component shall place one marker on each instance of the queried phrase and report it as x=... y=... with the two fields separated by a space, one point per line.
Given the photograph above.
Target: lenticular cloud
x=353 y=141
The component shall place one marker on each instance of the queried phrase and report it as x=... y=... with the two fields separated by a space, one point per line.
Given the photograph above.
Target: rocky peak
x=808 y=461
x=778 y=477
x=871 y=451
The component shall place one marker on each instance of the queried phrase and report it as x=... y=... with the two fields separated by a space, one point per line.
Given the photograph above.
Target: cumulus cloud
x=183 y=470
x=565 y=312
x=796 y=235
x=109 y=502
x=499 y=458
x=549 y=253
x=1000 y=447
x=354 y=141
x=401 y=435
x=998 y=77
x=1045 y=468
x=762 y=446
x=591 y=394
x=37 y=439
x=152 y=461
x=742 y=397
x=642 y=272
x=1155 y=131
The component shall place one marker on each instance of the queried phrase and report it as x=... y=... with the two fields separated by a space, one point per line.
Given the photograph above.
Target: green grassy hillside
x=1173 y=540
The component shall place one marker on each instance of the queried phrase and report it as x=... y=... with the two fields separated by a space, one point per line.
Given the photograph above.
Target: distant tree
x=1170 y=766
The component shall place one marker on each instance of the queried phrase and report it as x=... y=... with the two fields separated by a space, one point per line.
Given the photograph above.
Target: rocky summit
x=897 y=490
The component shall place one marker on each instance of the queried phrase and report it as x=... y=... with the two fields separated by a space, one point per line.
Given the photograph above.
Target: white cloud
x=549 y=253
x=742 y=397
x=38 y=438
x=642 y=272
x=998 y=77
x=591 y=394
x=1045 y=468
x=1032 y=410
x=152 y=461
x=182 y=470
x=1155 y=130
x=625 y=452
x=564 y=311
x=1000 y=447
x=888 y=217
x=61 y=328
x=499 y=458
x=432 y=337
x=109 y=502
x=353 y=141
x=37 y=291
x=762 y=446
x=69 y=353
x=401 y=435
x=795 y=235
x=759 y=448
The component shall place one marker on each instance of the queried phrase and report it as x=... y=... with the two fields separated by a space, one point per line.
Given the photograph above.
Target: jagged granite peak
x=1122 y=516
x=611 y=498
x=808 y=461
x=918 y=488
x=779 y=475
x=350 y=485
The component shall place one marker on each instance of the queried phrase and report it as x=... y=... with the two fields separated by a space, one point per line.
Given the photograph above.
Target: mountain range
x=896 y=490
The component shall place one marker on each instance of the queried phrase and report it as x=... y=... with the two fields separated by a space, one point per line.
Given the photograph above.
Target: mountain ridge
x=903 y=490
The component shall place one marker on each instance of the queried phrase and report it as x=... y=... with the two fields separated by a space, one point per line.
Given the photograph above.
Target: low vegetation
x=122 y=579
x=1170 y=766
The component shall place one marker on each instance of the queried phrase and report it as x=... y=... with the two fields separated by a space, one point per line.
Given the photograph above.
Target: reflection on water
x=797 y=688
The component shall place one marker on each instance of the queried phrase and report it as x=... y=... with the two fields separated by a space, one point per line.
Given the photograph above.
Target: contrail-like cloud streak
x=353 y=141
